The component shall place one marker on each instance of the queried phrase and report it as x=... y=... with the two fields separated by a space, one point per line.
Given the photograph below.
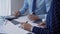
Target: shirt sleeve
x=24 y=8
x=43 y=17
x=37 y=30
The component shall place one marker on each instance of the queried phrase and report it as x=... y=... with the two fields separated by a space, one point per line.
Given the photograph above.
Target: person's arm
x=24 y=8
x=37 y=17
x=38 y=30
x=34 y=29
x=43 y=16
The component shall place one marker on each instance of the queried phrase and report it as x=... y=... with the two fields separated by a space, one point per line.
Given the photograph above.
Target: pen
x=26 y=21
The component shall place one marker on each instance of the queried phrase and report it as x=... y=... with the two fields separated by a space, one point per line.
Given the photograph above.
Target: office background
x=7 y=7
x=16 y=5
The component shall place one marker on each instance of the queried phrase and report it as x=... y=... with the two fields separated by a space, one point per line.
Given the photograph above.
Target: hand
x=42 y=25
x=33 y=17
x=16 y=13
x=26 y=26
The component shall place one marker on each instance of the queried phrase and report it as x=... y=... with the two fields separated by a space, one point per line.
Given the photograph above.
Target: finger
x=21 y=26
x=29 y=16
x=22 y=23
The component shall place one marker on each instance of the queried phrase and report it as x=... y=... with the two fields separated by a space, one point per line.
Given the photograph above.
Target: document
x=2 y=22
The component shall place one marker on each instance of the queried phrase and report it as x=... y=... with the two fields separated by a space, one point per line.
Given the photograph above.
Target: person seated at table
x=52 y=21
x=37 y=9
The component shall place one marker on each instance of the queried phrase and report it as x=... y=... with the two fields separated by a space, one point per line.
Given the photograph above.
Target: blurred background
x=7 y=7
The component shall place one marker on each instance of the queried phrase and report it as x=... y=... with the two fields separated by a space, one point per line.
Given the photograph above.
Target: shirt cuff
x=43 y=17
x=33 y=27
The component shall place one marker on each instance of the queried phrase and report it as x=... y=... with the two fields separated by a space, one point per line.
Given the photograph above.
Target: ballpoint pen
x=26 y=21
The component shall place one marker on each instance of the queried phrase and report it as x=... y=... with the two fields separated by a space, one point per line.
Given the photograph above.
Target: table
x=10 y=28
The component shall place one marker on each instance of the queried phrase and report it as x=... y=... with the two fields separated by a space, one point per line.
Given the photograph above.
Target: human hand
x=33 y=17
x=26 y=26
x=16 y=13
x=42 y=25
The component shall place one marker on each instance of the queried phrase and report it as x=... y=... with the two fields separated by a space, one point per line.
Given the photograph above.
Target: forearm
x=24 y=8
x=37 y=30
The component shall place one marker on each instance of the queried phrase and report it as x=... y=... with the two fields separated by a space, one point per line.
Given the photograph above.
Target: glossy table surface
x=10 y=28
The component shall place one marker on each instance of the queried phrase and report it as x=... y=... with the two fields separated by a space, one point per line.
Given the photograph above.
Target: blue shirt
x=42 y=6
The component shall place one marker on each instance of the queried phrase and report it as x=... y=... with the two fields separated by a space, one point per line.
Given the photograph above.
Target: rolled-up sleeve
x=37 y=30
x=24 y=8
